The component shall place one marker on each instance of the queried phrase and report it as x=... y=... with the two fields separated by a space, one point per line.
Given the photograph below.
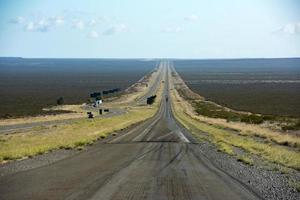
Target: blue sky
x=150 y=29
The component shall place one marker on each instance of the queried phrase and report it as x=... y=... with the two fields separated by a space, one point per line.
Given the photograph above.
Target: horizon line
x=152 y=58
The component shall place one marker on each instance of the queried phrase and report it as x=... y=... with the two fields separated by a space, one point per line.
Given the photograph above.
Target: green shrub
x=252 y=119
x=60 y=101
x=211 y=110
x=80 y=143
x=295 y=126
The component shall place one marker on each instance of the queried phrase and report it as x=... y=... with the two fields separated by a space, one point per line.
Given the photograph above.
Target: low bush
x=225 y=140
x=245 y=159
x=295 y=126
x=209 y=109
x=252 y=119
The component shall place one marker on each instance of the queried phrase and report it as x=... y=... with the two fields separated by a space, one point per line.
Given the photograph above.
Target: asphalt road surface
x=157 y=159
x=153 y=87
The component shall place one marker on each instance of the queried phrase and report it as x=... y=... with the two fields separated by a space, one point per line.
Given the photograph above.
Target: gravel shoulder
x=268 y=179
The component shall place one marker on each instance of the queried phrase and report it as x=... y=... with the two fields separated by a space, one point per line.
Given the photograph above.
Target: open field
x=28 y=85
x=215 y=161
x=151 y=160
x=80 y=132
x=267 y=86
x=76 y=134
x=234 y=139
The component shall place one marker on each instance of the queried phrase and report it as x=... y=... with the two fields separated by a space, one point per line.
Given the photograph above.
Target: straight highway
x=157 y=159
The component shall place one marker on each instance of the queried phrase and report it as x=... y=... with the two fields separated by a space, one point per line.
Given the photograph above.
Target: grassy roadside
x=226 y=141
x=136 y=91
x=245 y=123
x=209 y=109
x=77 y=134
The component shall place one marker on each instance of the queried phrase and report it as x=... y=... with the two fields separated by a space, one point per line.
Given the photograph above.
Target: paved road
x=154 y=87
x=156 y=160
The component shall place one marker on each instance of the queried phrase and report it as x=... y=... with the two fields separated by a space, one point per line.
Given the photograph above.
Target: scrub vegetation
x=265 y=86
x=80 y=132
x=29 y=85
x=213 y=110
x=77 y=134
x=267 y=146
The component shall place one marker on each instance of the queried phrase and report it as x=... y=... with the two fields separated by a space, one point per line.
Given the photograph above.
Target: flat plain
x=267 y=86
x=29 y=85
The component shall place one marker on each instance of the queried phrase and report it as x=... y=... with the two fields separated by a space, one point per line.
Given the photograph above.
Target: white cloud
x=79 y=24
x=30 y=26
x=93 y=34
x=44 y=24
x=92 y=22
x=81 y=21
x=191 y=18
x=18 y=20
x=290 y=29
x=176 y=29
x=39 y=26
x=121 y=28
x=58 y=20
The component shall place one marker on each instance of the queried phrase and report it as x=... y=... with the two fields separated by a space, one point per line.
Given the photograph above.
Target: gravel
x=271 y=184
x=35 y=162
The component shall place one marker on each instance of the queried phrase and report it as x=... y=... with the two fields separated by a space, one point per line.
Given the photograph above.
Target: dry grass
x=76 y=134
x=245 y=129
x=225 y=139
x=24 y=120
x=245 y=159
x=297 y=186
x=140 y=89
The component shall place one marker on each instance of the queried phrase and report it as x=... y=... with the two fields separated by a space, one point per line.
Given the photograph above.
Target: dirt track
x=157 y=159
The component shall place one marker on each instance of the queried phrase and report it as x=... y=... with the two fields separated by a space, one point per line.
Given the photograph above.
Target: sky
x=150 y=29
